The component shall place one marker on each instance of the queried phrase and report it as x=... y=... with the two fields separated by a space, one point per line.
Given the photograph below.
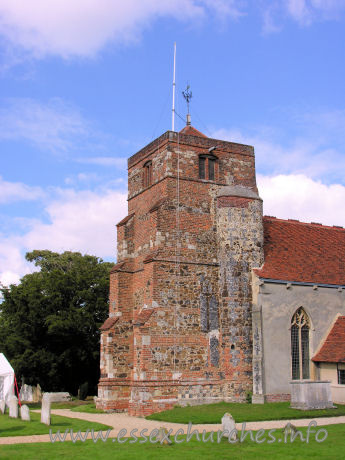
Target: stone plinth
x=258 y=399
x=311 y=394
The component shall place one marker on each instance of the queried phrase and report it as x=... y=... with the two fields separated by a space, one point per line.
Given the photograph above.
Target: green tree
x=49 y=323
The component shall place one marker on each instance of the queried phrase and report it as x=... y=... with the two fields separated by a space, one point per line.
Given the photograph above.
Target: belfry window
x=207 y=167
x=147 y=174
x=300 y=326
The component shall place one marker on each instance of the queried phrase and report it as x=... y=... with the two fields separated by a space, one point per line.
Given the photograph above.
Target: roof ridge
x=189 y=130
x=296 y=221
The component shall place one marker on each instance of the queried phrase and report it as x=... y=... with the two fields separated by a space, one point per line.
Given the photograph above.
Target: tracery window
x=147 y=180
x=300 y=326
x=207 y=167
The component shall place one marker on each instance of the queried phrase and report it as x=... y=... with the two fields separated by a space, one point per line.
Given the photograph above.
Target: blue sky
x=85 y=84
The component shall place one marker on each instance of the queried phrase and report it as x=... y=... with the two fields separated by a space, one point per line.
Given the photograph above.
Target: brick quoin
x=180 y=325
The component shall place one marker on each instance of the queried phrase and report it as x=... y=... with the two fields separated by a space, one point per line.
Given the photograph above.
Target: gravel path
x=121 y=421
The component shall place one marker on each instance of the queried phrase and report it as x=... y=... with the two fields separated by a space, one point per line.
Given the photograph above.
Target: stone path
x=120 y=421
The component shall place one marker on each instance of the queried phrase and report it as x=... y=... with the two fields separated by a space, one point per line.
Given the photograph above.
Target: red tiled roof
x=157 y=205
x=108 y=323
x=151 y=256
x=333 y=349
x=190 y=131
x=118 y=267
x=125 y=220
x=297 y=251
x=144 y=316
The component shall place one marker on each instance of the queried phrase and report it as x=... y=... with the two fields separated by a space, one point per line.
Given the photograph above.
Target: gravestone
x=37 y=393
x=13 y=407
x=45 y=411
x=47 y=400
x=2 y=406
x=228 y=424
x=289 y=429
x=162 y=436
x=25 y=413
x=26 y=393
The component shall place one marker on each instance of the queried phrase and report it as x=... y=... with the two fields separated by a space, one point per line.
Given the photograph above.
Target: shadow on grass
x=13 y=428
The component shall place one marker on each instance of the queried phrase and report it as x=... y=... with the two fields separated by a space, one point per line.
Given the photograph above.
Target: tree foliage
x=49 y=323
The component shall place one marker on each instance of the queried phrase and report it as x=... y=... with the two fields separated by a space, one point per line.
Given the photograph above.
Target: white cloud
x=82 y=178
x=54 y=126
x=296 y=196
x=304 y=12
x=307 y=11
x=307 y=153
x=83 y=27
x=17 y=191
x=269 y=23
x=78 y=221
x=85 y=221
x=299 y=11
x=12 y=262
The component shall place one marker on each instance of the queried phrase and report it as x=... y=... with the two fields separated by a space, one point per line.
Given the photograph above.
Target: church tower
x=179 y=328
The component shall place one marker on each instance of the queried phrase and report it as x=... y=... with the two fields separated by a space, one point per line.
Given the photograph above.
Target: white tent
x=6 y=378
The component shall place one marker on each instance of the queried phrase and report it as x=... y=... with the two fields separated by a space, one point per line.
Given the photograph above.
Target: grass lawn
x=17 y=427
x=213 y=413
x=61 y=405
x=75 y=406
x=89 y=408
x=331 y=448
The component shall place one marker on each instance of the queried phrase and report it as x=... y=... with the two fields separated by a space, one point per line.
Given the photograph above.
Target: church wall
x=329 y=371
x=278 y=304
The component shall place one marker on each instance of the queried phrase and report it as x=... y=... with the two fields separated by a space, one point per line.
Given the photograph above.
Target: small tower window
x=202 y=170
x=211 y=164
x=147 y=174
x=207 y=167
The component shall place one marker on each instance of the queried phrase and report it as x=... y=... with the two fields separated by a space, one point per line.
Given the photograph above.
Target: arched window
x=207 y=167
x=147 y=179
x=300 y=326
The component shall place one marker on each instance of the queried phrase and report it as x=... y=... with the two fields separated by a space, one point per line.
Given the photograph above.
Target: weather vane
x=188 y=96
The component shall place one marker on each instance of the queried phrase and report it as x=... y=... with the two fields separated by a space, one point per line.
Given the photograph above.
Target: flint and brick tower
x=179 y=327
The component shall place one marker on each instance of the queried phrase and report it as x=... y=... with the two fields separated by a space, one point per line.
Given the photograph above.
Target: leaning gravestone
x=47 y=400
x=13 y=407
x=25 y=413
x=163 y=437
x=228 y=424
x=289 y=429
x=37 y=393
x=26 y=393
x=2 y=406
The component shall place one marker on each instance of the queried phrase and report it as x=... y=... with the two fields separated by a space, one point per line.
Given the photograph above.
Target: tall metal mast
x=174 y=85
